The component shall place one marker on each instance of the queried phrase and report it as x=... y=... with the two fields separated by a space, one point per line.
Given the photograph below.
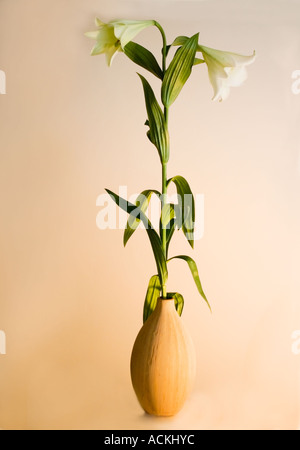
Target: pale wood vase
x=163 y=362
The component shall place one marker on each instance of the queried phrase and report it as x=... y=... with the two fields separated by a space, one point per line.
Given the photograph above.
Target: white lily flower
x=112 y=37
x=225 y=70
x=126 y=30
x=106 y=42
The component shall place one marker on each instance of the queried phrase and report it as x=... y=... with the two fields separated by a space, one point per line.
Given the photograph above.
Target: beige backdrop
x=71 y=296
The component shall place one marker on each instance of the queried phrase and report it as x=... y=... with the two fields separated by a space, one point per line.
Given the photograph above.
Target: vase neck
x=166 y=304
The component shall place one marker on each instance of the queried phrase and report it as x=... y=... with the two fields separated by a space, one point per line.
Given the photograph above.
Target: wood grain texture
x=163 y=362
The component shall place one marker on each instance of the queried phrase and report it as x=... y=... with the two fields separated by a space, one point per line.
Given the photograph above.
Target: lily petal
x=126 y=30
x=225 y=70
x=111 y=53
x=114 y=36
x=227 y=59
x=129 y=33
x=92 y=34
x=99 y=22
x=236 y=75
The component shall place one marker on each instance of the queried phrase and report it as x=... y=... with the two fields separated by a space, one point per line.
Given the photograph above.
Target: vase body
x=163 y=362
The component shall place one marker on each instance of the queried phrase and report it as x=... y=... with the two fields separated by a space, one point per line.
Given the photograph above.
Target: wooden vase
x=163 y=362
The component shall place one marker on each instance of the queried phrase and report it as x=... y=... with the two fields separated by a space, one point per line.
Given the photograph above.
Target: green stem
x=164 y=231
x=164 y=165
x=164 y=51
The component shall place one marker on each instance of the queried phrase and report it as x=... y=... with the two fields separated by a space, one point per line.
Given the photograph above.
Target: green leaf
x=167 y=215
x=179 y=301
x=187 y=202
x=194 y=270
x=176 y=222
x=152 y=295
x=168 y=222
x=179 y=71
x=133 y=222
x=152 y=234
x=158 y=134
x=144 y=58
x=170 y=233
x=198 y=61
x=179 y=41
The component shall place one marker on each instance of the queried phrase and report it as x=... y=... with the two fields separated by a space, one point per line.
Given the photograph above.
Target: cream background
x=71 y=297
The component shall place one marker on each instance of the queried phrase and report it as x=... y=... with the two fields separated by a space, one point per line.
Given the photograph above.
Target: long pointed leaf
x=187 y=202
x=167 y=214
x=144 y=58
x=133 y=222
x=152 y=234
x=179 y=71
x=194 y=270
x=158 y=134
x=170 y=233
x=152 y=295
x=179 y=302
x=168 y=222
x=181 y=40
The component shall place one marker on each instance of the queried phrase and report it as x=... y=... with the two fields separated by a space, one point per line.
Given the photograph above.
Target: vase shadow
x=198 y=413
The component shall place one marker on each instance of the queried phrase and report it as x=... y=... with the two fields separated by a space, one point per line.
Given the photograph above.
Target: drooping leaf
x=152 y=234
x=159 y=255
x=181 y=40
x=187 y=203
x=170 y=233
x=175 y=222
x=179 y=301
x=152 y=295
x=133 y=222
x=194 y=270
x=179 y=71
x=168 y=222
x=167 y=214
x=144 y=58
x=158 y=133
x=149 y=132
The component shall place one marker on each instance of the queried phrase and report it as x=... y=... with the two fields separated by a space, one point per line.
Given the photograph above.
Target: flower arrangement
x=225 y=70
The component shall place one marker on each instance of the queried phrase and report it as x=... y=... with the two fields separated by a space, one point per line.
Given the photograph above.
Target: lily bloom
x=225 y=70
x=126 y=30
x=112 y=37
